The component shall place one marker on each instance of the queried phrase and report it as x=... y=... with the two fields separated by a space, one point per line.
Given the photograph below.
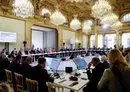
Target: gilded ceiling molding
x=5 y=6
x=82 y=9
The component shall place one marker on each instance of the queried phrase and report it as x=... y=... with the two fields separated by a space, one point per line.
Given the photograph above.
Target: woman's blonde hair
x=116 y=58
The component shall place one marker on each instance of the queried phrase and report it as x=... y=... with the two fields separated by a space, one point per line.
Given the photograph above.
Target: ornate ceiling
x=120 y=6
x=82 y=9
x=67 y=8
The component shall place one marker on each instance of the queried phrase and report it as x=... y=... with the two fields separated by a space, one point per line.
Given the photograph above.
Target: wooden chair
x=53 y=87
x=9 y=77
x=32 y=85
x=19 y=82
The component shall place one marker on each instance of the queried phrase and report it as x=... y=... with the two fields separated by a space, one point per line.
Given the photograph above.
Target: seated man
x=41 y=75
x=26 y=70
x=95 y=76
x=4 y=63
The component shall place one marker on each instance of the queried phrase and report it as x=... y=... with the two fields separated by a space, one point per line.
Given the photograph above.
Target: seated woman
x=117 y=77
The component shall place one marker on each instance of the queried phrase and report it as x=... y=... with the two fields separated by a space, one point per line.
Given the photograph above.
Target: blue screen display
x=80 y=62
x=52 y=63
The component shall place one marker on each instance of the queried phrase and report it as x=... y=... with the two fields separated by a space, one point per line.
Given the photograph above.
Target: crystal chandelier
x=87 y=26
x=100 y=9
x=105 y=26
x=75 y=23
x=23 y=8
x=110 y=19
x=116 y=25
x=57 y=18
x=88 y=22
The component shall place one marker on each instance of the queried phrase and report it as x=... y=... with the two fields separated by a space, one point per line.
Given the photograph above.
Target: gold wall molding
x=31 y=21
x=68 y=9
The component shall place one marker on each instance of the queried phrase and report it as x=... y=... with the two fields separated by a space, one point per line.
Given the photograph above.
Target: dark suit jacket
x=26 y=70
x=42 y=77
x=3 y=65
x=94 y=77
x=14 y=67
x=97 y=73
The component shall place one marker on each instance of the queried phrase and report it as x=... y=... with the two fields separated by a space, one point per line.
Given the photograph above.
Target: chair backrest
x=9 y=76
x=32 y=85
x=19 y=82
x=5 y=87
x=53 y=87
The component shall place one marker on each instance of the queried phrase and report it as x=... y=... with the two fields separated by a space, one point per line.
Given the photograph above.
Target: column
x=28 y=33
x=60 y=37
x=88 y=44
x=79 y=38
x=96 y=39
x=103 y=39
x=121 y=39
x=117 y=39
x=96 y=33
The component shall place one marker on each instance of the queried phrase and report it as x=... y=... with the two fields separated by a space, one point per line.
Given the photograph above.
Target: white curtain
x=126 y=40
x=110 y=40
x=92 y=41
x=100 y=41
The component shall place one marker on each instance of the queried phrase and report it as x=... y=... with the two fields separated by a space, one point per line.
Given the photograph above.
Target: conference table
x=64 y=80
x=66 y=83
x=60 y=54
x=56 y=53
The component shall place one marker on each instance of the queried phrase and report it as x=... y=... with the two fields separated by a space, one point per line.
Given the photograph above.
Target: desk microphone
x=77 y=74
x=57 y=75
x=73 y=78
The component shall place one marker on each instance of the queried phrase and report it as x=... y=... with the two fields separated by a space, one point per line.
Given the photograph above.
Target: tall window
x=126 y=40
x=126 y=18
x=110 y=40
x=92 y=41
x=100 y=41
x=85 y=40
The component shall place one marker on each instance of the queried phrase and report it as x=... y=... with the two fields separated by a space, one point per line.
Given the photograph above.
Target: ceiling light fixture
x=23 y=8
x=57 y=18
x=117 y=25
x=105 y=26
x=75 y=23
x=87 y=28
x=110 y=19
x=100 y=9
